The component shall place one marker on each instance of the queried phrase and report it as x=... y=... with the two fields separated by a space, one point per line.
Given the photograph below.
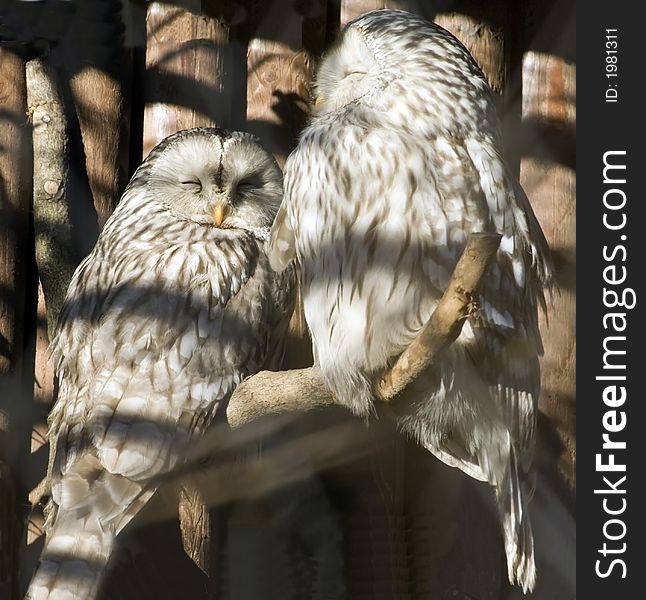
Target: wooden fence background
x=86 y=90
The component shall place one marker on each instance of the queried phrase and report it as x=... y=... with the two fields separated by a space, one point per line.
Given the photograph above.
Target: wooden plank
x=279 y=72
x=485 y=33
x=15 y=197
x=187 y=70
x=351 y=9
x=98 y=71
x=195 y=525
x=103 y=118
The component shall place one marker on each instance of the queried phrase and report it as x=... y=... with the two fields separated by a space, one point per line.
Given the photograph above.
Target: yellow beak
x=219 y=212
x=318 y=100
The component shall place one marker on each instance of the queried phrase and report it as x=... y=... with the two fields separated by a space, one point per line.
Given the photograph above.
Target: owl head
x=215 y=177
x=407 y=70
x=349 y=70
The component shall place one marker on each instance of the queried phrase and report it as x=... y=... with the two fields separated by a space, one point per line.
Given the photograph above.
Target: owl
x=176 y=304
x=400 y=162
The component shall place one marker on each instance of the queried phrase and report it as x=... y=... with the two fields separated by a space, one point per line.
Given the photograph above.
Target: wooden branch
x=52 y=224
x=445 y=324
x=274 y=393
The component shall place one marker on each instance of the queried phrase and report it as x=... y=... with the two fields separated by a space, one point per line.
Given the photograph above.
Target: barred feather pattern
x=161 y=321
x=400 y=162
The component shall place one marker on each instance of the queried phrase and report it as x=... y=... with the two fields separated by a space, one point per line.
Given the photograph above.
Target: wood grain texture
x=279 y=71
x=195 y=525
x=97 y=71
x=485 y=34
x=52 y=224
x=103 y=118
x=15 y=199
x=277 y=91
x=187 y=71
x=351 y=9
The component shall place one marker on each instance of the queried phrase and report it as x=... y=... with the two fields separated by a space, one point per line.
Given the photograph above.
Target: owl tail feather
x=517 y=528
x=72 y=563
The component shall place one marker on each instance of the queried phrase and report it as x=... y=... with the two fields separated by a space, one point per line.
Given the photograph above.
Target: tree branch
x=274 y=393
x=54 y=248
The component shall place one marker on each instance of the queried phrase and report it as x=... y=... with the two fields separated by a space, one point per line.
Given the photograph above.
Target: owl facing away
x=175 y=306
x=400 y=162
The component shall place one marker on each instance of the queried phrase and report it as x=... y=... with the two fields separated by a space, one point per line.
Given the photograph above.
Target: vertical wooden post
x=98 y=72
x=15 y=198
x=279 y=72
x=187 y=70
x=484 y=31
x=351 y=9
x=102 y=114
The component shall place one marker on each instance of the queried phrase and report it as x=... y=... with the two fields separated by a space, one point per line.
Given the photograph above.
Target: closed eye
x=354 y=73
x=194 y=185
x=249 y=183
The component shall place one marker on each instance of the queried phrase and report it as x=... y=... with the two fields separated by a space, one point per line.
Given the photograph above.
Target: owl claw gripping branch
x=400 y=162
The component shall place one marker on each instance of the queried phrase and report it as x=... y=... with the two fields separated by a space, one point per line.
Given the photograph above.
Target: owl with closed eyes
x=175 y=305
x=400 y=162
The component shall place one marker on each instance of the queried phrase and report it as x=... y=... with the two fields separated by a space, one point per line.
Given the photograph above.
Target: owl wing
x=145 y=370
x=283 y=298
x=282 y=246
x=468 y=189
x=507 y=337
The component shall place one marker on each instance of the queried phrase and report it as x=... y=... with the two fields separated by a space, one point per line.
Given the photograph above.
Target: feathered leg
x=517 y=529
x=73 y=560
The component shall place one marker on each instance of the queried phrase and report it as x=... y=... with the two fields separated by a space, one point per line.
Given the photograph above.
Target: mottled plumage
x=401 y=160
x=175 y=306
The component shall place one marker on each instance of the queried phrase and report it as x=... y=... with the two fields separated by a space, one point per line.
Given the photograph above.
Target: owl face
x=349 y=71
x=217 y=178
